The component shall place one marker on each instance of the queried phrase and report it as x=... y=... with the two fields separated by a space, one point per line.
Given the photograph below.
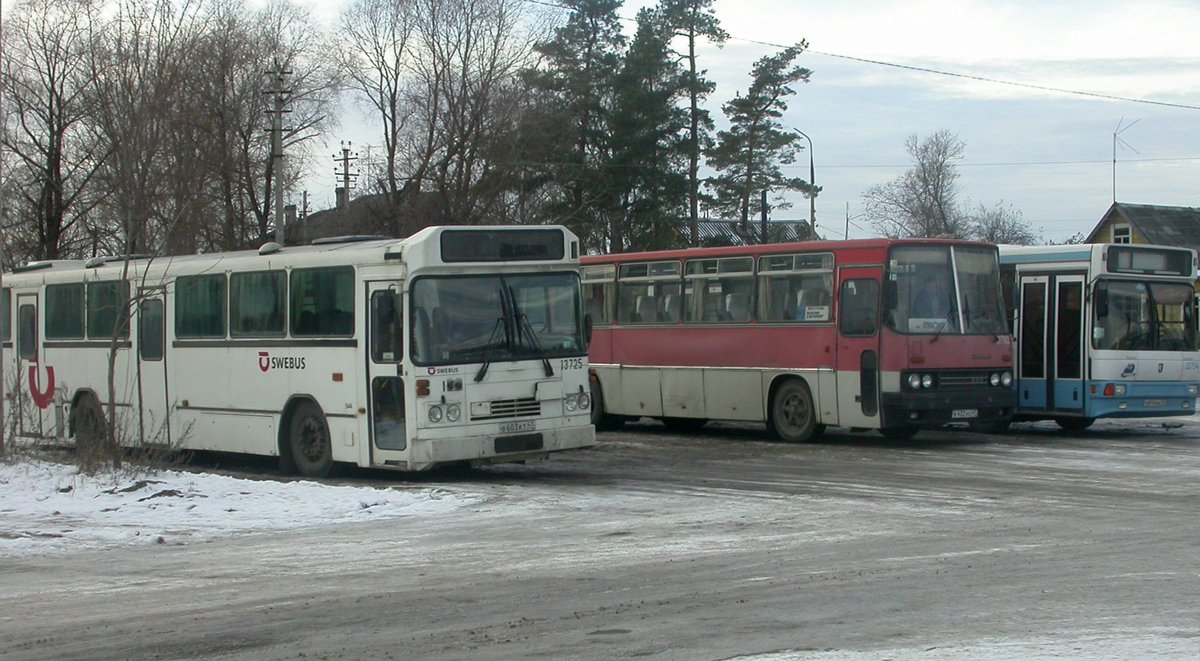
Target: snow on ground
x=1142 y=645
x=49 y=508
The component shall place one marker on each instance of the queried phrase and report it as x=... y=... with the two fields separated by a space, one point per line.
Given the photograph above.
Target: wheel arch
x=80 y=395
x=778 y=381
x=284 y=429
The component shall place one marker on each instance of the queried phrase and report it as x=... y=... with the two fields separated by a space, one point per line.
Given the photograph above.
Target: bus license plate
x=1151 y=403
x=509 y=427
x=961 y=414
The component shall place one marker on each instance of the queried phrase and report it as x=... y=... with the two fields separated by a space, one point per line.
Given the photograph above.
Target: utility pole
x=277 y=113
x=763 y=207
x=346 y=176
x=812 y=181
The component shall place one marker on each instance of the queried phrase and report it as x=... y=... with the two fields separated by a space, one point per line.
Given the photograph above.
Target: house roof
x=1168 y=226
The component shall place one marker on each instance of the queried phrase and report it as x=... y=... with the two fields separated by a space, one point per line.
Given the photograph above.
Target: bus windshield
x=931 y=292
x=1141 y=315
x=472 y=319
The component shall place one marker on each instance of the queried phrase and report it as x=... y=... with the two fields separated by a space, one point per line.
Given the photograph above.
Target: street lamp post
x=812 y=176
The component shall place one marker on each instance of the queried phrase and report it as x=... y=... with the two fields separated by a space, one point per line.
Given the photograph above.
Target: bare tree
x=45 y=74
x=1001 y=224
x=469 y=57
x=922 y=202
x=140 y=60
x=374 y=52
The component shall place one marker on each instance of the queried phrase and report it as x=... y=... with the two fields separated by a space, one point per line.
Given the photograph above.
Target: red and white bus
x=894 y=335
x=457 y=344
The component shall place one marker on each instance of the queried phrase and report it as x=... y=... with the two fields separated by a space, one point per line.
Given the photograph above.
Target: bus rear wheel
x=793 y=418
x=308 y=441
x=87 y=419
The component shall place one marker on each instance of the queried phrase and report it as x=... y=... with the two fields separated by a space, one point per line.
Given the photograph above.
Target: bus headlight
x=453 y=413
x=1193 y=389
x=569 y=402
x=914 y=381
x=994 y=379
x=927 y=381
x=584 y=401
x=435 y=414
x=1006 y=379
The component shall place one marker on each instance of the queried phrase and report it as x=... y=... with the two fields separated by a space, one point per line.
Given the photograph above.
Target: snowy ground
x=622 y=519
x=52 y=508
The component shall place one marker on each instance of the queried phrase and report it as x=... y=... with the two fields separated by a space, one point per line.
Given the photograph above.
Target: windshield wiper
x=523 y=326
x=945 y=322
x=501 y=322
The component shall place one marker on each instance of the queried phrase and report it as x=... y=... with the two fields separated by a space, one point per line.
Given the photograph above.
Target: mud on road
x=711 y=545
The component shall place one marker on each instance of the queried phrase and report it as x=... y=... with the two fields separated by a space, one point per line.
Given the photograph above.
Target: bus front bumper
x=499 y=448
x=930 y=410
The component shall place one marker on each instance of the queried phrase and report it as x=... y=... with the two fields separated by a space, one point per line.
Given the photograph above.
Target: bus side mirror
x=587 y=329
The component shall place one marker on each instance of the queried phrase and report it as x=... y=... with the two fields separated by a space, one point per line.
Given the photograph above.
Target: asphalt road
x=710 y=545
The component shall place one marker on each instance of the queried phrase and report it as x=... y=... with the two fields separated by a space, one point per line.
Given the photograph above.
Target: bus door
x=1068 y=343
x=1033 y=322
x=33 y=389
x=154 y=414
x=385 y=336
x=1050 y=354
x=858 y=363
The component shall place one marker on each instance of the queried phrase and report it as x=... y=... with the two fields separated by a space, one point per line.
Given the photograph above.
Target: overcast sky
x=1048 y=154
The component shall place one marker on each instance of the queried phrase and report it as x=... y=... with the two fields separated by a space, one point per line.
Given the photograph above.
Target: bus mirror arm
x=587 y=329
x=1100 y=300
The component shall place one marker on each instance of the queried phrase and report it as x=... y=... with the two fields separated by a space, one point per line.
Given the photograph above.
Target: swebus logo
x=266 y=362
x=42 y=398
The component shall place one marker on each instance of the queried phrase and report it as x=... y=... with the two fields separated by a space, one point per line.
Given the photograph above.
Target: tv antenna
x=1118 y=140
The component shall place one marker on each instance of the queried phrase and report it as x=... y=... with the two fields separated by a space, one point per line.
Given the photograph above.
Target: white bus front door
x=385 y=337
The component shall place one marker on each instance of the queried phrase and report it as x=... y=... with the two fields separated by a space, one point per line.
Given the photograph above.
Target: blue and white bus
x=1102 y=331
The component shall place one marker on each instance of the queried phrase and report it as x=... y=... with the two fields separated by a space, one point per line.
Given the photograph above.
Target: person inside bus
x=931 y=301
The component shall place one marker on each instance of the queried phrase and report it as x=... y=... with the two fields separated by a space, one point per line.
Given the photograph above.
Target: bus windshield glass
x=944 y=290
x=493 y=318
x=1141 y=315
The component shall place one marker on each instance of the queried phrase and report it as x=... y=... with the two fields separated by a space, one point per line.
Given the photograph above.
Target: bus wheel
x=308 y=441
x=899 y=433
x=1074 y=424
x=684 y=425
x=793 y=418
x=87 y=419
x=602 y=420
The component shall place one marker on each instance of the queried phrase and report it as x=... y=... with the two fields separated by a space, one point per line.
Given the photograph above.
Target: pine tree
x=748 y=155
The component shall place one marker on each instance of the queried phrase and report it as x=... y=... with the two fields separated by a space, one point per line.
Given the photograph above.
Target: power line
x=938 y=72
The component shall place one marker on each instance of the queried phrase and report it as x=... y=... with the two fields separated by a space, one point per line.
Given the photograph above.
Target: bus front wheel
x=308 y=441
x=793 y=418
x=603 y=421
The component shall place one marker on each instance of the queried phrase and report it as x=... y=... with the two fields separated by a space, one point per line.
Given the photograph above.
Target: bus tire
x=793 y=418
x=308 y=441
x=1074 y=424
x=87 y=419
x=684 y=425
x=603 y=421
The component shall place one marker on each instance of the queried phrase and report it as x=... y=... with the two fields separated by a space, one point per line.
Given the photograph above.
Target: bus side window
x=859 y=308
x=385 y=328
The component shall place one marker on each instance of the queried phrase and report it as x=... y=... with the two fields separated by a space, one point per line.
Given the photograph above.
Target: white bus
x=458 y=344
x=1102 y=330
